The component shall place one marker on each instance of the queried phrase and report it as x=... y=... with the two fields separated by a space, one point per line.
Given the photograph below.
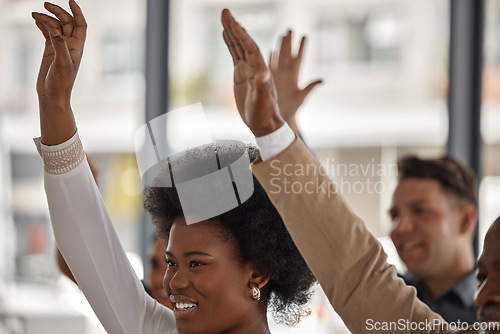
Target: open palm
x=285 y=67
x=254 y=89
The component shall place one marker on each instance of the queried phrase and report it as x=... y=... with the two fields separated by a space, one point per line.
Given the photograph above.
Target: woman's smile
x=184 y=307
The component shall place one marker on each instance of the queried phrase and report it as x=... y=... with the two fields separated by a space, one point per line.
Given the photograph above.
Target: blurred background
x=385 y=69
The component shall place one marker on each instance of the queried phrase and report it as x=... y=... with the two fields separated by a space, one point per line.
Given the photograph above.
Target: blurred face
x=207 y=284
x=487 y=298
x=425 y=226
x=157 y=269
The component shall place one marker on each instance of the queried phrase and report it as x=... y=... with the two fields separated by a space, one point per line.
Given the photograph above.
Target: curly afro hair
x=255 y=226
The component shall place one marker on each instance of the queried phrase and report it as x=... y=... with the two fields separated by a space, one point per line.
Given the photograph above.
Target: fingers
x=231 y=41
x=241 y=41
x=301 y=49
x=273 y=61
x=310 y=87
x=71 y=26
x=230 y=46
x=65 y=19
x=286 y=60
x=43 y=28
x=285 y=50
x=48 y=21
x=62 y=56
x=251 y=50
x=80 y=24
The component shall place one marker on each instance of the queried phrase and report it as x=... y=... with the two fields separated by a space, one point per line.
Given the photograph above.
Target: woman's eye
x=170 y=263
x=195 y=264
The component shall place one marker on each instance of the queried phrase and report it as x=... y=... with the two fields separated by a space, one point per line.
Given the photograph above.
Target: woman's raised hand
x=254 y=89
x=64 y=41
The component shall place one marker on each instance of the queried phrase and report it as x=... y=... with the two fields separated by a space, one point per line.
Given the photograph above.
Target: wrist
x=57 y=123
x=53 y=105
x=274 y=124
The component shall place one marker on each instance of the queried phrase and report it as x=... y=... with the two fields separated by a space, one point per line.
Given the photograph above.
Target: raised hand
x=254 y=89
x=64 y=41
x=285 y=69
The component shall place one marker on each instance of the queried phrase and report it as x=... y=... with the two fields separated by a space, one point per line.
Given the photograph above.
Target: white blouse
x=86 y=237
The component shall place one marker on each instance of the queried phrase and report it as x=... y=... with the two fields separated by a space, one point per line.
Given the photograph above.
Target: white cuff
x=62 y=158
x=276 y=142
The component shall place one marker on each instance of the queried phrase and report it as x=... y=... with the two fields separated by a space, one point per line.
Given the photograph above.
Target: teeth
x=410 y=245
x=183 y=306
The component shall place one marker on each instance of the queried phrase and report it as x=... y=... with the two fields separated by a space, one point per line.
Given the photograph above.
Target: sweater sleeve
x=347 y=260
x=86 y=238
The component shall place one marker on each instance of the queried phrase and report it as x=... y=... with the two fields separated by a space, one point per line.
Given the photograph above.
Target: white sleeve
x=86 y=238
x=276 y=142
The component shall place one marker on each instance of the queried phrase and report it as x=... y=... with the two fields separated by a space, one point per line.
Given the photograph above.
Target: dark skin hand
x=64 y=40
x=254 y=90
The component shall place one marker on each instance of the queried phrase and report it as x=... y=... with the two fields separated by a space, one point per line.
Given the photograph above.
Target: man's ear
x=468 y=218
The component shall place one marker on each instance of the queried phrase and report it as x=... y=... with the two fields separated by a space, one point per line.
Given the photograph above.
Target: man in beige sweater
x=347 y=260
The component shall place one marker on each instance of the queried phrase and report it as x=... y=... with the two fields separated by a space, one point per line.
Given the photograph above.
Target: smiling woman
x=222 y=272
x=217 y=264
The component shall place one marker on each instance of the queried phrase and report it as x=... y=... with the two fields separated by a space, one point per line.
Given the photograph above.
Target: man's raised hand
x=254 y=90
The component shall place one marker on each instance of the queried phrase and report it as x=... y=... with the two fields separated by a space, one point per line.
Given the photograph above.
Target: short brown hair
x=451 y=174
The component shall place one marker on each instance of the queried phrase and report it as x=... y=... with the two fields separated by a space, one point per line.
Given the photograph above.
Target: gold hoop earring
x=255 y=292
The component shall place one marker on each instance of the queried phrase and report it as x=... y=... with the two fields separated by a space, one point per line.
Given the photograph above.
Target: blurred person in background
x=434 y=215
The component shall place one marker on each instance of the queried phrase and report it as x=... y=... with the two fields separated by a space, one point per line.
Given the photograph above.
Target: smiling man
x=434 y=213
